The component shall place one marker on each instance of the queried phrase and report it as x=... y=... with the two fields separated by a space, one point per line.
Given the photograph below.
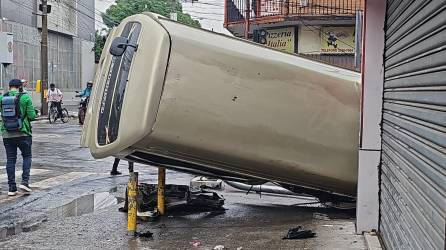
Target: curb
x=372 y=241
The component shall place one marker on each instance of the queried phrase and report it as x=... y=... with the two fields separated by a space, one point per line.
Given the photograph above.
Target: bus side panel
x=260 y=112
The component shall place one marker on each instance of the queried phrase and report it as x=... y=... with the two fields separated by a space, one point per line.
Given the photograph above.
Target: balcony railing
x=236 y=10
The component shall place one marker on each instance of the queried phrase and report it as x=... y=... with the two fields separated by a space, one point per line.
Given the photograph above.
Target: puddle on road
x=16 y=229
x=86 y=204
x=83 y=205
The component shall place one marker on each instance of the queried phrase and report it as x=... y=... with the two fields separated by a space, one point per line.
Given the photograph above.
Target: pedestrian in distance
x=17 y=113
x=115 y=171
x=54 y=96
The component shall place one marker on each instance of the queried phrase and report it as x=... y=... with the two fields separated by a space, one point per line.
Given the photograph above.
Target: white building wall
x=309 y=40
x=88 y=65
x=370 y=145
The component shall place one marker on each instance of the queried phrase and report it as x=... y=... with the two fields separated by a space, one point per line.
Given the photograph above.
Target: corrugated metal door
x=413 y=169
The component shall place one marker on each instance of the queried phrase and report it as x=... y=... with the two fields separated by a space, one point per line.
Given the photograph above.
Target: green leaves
x=124 y=8
x=99 y=42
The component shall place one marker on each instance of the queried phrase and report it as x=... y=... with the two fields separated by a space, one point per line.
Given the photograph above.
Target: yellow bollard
x=161 y=188
x=38 y=86
x=132 y=192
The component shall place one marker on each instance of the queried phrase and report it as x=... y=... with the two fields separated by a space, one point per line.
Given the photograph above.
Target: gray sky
x=210 y=13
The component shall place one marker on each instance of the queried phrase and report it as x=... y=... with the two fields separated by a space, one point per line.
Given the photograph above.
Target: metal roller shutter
x=413 y=164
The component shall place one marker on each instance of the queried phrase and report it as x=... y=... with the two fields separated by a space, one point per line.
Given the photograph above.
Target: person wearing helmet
x=87 y=91
x=54 y=96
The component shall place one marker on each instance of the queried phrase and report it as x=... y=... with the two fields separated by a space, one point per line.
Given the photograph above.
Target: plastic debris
x=239 y=248
x=195 y=243
x=147 y=234
x=299 y=233
x=219 y=247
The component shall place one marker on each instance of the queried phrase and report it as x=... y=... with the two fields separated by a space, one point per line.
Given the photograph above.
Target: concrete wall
x=370 y=143
x=309 y=40
x=88 y=66
x=62 y=18
x=71 y=59
x=26 y=52
x=64 y=61
x=86 y=20
x=20 y=11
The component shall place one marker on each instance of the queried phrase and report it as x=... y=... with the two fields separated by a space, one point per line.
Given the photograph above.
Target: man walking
x=17 y=113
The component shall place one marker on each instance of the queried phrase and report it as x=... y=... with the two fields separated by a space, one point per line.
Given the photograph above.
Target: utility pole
x=358 y=39
x=44 y=57
x=247 y=11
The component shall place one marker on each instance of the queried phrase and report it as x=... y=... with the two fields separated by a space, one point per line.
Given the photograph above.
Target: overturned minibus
x=191 y=100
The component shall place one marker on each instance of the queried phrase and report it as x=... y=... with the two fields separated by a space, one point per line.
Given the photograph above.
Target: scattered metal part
x=205 y=182
x=206 y=199
x=341 y=205
x=299 y=233
x=260 y=188
x=148 y=215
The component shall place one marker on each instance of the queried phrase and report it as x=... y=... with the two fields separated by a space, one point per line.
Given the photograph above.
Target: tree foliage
x=124 y=8
x=99 y=42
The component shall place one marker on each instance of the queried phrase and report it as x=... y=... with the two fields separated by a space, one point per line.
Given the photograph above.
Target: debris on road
x=219 y=247
x=206 y=199
x=146 y=234
x=200 y=182
x=320 y=216
x=195 y=243
x=178 y=198
x=299 y=233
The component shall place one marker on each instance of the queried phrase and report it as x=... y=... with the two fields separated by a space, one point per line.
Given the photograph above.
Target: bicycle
x=53 y=114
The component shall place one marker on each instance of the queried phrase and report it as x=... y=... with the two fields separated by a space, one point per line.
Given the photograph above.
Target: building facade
x=319 y=29
x=71 y=27
x=402 y=158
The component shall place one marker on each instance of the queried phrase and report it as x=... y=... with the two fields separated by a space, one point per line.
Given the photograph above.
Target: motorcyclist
x=87 y=91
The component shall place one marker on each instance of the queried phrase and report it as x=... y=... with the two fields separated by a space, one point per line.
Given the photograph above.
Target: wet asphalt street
x=75 y=206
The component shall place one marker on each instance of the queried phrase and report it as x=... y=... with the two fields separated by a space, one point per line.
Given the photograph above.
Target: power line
x=211 y=4
x=206 y=18
x=205 y=13
x=83 y=13
x=32 y=10
x=102 y=14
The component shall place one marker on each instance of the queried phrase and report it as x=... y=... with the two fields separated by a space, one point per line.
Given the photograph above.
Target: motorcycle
x=82 y=108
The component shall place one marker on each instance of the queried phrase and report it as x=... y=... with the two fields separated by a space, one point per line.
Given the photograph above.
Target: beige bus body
x=205 y=103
